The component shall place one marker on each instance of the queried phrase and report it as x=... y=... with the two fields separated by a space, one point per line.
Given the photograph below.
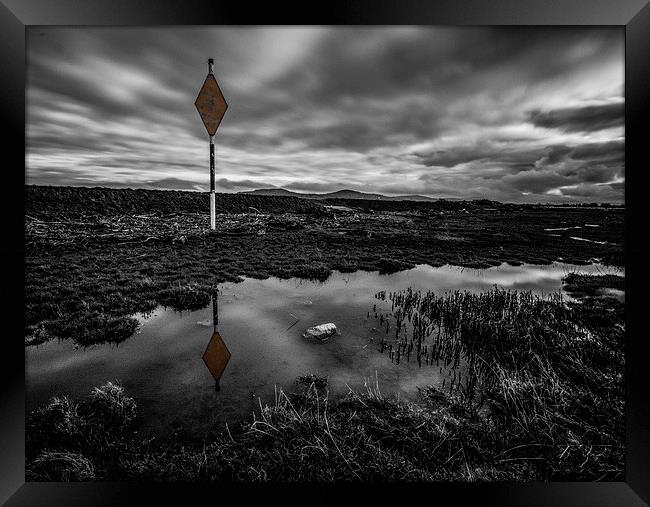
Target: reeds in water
x=473 y=330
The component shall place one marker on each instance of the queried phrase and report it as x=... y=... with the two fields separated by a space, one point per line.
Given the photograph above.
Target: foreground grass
x=302 y=437
x=547 y=405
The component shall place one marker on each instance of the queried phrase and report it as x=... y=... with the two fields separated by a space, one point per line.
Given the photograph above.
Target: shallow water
x=261 y=322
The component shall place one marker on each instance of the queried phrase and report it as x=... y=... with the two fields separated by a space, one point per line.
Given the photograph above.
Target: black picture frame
x=632 y=15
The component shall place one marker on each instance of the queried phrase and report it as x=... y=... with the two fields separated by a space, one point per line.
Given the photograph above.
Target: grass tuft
x=60 y=466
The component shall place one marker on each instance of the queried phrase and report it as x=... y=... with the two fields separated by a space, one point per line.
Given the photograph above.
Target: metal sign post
x=212 y=205
x=211 y=106
x=215 y=308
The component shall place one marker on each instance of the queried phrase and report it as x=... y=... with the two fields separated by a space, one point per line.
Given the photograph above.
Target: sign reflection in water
x=216 y=355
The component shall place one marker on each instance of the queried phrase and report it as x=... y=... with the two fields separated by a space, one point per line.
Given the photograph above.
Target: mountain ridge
x=342 y=194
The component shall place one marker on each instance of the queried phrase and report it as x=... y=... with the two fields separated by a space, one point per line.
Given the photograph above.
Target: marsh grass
x=88 y=328
x=580 y=285
x=185 y=297
x=542 y=400
x=68 y=440
x=548 y=372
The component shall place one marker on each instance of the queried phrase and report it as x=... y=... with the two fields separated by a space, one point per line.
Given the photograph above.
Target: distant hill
x=340 y=194
x=273 y=191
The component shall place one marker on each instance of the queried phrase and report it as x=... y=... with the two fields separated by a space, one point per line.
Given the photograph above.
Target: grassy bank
x=543 y=400
x=94 y=257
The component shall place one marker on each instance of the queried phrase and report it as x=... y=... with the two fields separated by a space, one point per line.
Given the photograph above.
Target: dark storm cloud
x=587 y=118
x=362 y=134
x=505 y=156
x=555 y=154
x=503 y=113
x=611 y=151
x=373 y=63
x=550 y=171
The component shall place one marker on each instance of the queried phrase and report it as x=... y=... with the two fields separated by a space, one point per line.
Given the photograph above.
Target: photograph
x=325 y=253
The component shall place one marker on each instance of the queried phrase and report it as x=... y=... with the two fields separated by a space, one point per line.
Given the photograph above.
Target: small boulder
x=322 y=331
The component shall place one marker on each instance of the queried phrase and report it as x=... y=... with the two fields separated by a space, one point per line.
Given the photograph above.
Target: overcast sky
x=511 y=114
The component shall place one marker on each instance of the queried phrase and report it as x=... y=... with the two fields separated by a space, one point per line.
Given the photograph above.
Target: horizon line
x=297 y=193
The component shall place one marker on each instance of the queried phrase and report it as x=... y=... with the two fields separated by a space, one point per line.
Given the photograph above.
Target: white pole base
x=213 y=221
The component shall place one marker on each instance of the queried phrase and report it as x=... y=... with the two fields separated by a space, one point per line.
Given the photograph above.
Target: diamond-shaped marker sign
x=216 y=355
x=210 y=104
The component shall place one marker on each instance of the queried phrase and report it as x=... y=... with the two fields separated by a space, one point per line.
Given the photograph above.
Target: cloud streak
x=514 y=114
x=587 y=119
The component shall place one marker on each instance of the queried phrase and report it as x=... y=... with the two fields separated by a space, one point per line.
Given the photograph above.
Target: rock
x=322 y=331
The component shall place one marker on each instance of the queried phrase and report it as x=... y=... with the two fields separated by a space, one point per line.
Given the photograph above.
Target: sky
x=514 y=114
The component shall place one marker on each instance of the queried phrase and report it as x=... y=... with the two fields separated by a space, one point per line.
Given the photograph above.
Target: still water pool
x=261 y=322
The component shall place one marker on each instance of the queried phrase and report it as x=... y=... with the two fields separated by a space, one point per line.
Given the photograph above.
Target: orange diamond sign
x=216 y=355
x=210 y=104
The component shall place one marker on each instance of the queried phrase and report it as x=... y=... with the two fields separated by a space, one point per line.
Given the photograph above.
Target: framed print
x=383 y=249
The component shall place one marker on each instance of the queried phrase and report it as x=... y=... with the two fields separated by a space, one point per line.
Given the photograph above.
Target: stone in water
x=322 y=331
